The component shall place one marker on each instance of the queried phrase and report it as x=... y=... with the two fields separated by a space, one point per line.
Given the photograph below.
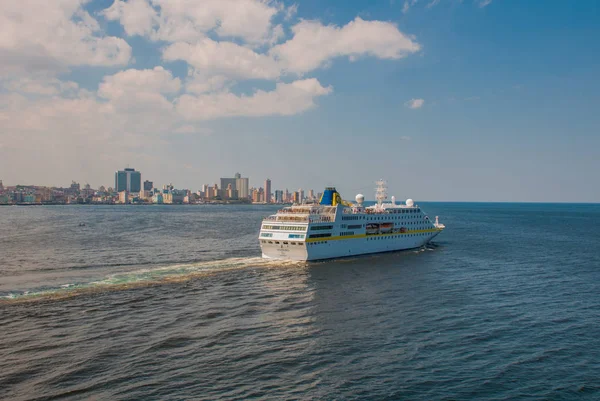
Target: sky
x=447 y=100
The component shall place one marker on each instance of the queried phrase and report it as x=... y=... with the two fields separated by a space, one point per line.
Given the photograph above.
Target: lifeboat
x=372 y=228
x=386 y=228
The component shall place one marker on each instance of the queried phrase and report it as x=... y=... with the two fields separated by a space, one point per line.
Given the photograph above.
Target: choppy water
x=172 y=303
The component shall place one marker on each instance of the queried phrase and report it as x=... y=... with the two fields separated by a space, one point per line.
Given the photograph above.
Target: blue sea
x=175 y=303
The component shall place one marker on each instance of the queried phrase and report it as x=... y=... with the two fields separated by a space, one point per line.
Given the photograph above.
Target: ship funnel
x=328 y=196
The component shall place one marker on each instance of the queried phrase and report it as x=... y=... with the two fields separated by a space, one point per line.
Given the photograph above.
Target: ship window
x=277 y=242
x=315 y=228
x=266 y=235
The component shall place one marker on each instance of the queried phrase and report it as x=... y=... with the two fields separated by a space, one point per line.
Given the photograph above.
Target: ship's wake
x=145 y=277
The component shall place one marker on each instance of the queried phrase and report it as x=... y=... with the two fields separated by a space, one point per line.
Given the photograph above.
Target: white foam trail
x=152 y=276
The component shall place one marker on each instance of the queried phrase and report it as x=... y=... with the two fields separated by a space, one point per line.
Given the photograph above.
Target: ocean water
x=174 y=303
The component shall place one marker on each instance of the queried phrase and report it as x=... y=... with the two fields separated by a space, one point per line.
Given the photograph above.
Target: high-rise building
x=241 y=184
x=148 y=185
x=1 y=186
x=278 y=196
x=226 y=181
x=311 y=194
x=268 y=190
x=128 y=180
x=301 y=194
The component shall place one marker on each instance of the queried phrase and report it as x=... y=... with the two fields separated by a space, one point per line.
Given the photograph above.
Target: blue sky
x=508 y=94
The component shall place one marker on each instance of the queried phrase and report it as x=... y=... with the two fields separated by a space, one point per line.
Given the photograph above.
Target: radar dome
x=410 y=203
x=360 y=198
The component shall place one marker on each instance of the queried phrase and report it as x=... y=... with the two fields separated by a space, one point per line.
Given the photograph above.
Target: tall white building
x=241 y=184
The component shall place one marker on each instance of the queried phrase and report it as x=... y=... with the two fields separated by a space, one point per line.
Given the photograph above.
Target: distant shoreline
x=145 y=204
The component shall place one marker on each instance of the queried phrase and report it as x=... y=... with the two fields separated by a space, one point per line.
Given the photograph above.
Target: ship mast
x=381 y=191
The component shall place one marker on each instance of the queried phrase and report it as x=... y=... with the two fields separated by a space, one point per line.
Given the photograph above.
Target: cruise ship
x=335 y=228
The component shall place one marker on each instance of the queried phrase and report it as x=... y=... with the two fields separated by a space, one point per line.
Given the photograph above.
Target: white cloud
x=223 y=42
x=433 y=3
x=291 y=11
x=314 y=44
x=415 y=103
x=191 y=129
x=286 y=99
x=138 y=17
x=156 y=80
x=48 y=36
x=407 y=5
x=484 y=3
x=191 y=20
x=39 y=86
x=140 y=90
x=223 y=58
x=199 y=83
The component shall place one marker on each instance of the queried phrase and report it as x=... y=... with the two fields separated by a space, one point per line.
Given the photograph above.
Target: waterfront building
x=278 y=196
x=296 y=197
x=268 y=190
x=158 y=199
x=170 y=198
x=258 y=195
x=231 y=192
x=241 y=185
x=123 y=197
x=225 y=182
x=1 y=187
x=301 y=194
x=311 y=194
x=148 y=185
x=128 y=180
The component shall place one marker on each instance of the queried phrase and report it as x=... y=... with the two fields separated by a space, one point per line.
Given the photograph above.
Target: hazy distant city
x=130 y=189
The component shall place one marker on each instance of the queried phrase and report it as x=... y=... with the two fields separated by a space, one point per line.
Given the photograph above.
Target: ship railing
x=322 y=219
x=292 y=218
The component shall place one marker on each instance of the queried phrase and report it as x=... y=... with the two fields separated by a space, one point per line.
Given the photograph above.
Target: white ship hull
x=335 y=228
x=342 y=247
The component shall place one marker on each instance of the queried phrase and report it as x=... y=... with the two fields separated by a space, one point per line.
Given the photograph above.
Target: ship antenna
x=381 y=191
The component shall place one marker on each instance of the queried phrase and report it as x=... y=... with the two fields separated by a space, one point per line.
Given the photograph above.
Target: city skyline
x=447 y=100
x=128 y=188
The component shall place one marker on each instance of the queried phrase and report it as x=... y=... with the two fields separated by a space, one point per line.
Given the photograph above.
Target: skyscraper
x=148 y=185
x=128 y=180
x=241 y=184
x=278 y=196
x=226 y=181
x=268 y=190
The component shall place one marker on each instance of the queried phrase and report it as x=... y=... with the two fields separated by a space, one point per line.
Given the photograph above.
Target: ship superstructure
x=335 y=228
